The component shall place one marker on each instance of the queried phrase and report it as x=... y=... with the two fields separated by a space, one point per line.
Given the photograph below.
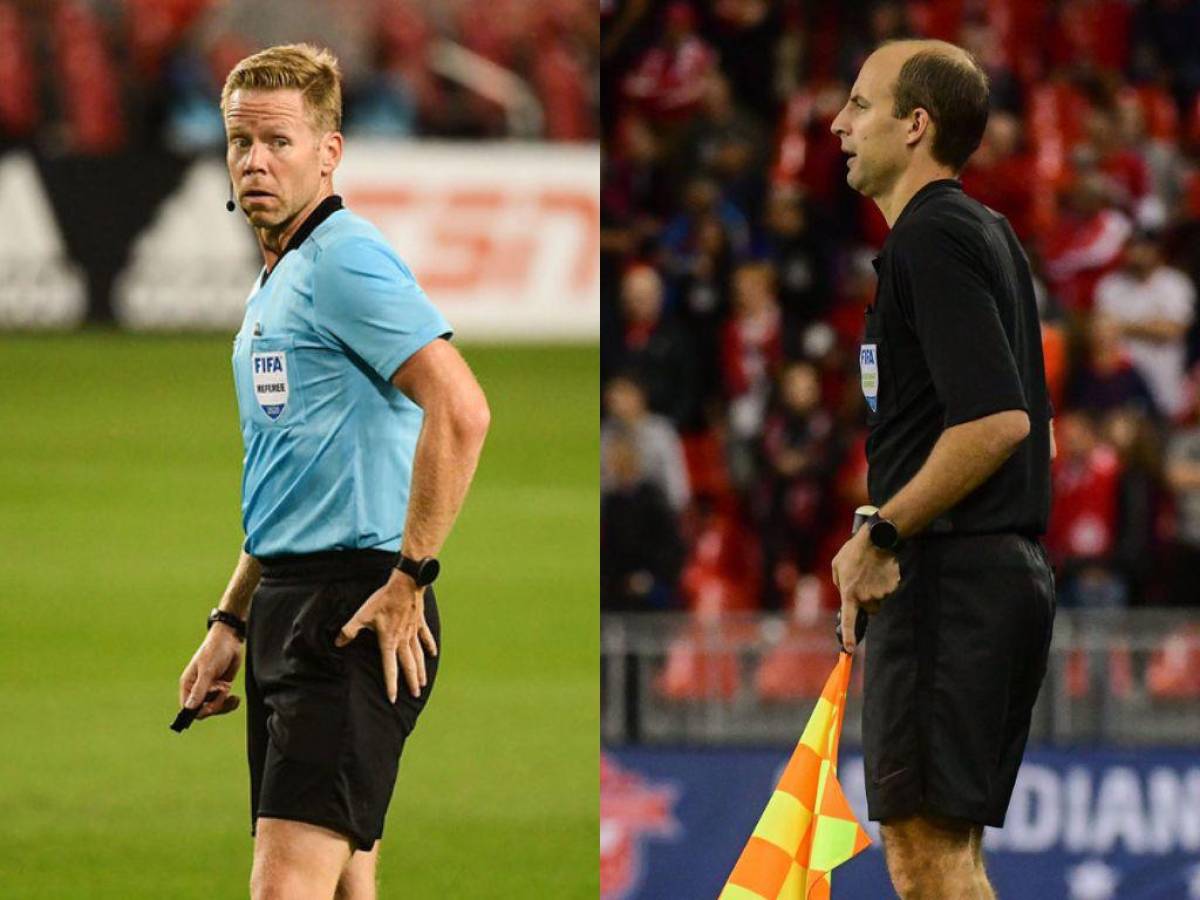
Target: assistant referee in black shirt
x=960 y=596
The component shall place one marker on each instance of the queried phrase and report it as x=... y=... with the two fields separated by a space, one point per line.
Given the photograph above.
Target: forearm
x=444 y=464
x=242 y=583
x=1160 y=331
x=963 y=458
x=1183 y=476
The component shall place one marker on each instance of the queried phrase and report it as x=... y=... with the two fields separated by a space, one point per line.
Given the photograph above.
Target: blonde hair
x=311 y=70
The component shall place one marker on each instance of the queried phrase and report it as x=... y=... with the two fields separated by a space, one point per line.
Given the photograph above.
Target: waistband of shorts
x=966 y=535
x=327 y=564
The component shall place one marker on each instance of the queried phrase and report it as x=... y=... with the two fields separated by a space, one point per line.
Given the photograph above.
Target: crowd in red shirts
x=737 y=262
x=102 y=76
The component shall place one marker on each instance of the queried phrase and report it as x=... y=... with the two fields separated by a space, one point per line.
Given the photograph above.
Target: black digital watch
x=423 y=572
x=883 y=533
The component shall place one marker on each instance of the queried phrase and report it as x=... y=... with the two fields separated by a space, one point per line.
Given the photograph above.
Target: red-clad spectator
x=723 y=572
x=19 y=108
x=1092 y=32
x=1086 y=475
x=798 y=455
x=999 y=175
x=1182 y=471
x=1104 y=150
x=1087 y=243
x=561 y=74
x=751 y=346
x=669 y=81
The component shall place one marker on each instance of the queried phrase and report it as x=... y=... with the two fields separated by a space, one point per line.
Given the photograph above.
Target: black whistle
x=187 y=716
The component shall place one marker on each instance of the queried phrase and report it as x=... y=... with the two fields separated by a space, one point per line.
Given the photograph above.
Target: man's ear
x=331 y=152
x=921 y=123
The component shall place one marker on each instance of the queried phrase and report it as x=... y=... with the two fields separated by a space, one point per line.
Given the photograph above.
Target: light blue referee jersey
x=329 y=441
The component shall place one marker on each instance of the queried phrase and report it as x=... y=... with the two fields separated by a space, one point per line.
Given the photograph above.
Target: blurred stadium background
x=473 y=143
x=735 y=267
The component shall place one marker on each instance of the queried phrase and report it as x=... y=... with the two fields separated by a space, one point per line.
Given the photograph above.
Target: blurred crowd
x=101 y=76
x=737 y=263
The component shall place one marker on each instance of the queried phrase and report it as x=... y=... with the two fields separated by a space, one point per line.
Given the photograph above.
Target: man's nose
x=836 y=126
x=255 y=157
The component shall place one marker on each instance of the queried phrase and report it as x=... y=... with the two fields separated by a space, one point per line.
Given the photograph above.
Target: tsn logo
x=488 y=239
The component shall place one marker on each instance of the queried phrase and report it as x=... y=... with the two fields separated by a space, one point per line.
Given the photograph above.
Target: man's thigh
x=297 y=861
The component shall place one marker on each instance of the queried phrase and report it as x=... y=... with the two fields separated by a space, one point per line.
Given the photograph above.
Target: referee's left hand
x=863 y=575
x=396 y=613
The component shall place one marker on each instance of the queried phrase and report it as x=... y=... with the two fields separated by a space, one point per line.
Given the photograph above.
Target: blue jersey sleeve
x=366 y=299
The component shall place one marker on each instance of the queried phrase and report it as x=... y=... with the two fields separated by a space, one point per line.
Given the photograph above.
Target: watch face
x=884 y=534
x=427 y=571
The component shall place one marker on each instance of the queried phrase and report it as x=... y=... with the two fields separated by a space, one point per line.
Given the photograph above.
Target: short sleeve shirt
x=953 y=336
x=329 y=441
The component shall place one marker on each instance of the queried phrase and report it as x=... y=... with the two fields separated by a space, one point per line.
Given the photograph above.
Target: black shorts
x=954 y=661
x=323 y=740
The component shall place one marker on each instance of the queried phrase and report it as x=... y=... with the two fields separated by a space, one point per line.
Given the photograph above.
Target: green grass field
x=119 y=525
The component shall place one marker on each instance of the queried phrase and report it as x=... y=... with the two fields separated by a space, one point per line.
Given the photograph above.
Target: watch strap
x=227 y=618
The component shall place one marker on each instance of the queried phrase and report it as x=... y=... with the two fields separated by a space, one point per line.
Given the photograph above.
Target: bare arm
x=240 y=589
x=963 y=458
x=1161 y=331
x=457 y=417
x=1183 y=475
x=456 y=421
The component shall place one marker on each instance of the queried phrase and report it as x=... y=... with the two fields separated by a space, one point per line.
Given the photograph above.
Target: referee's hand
x=863 y=575
x=396 y=612
x=212 y=670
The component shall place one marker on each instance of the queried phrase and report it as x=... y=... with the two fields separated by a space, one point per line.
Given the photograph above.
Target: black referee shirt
x=953 y=336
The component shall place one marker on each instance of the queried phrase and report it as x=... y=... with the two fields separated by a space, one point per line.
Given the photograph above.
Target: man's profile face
x=874 y=138
x=275 y=155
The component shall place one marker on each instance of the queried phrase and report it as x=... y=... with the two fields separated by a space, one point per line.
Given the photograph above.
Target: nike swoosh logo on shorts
x=890 y=776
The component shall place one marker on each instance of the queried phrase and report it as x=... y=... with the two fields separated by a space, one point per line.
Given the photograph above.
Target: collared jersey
x=329 y=441
x=953 y=335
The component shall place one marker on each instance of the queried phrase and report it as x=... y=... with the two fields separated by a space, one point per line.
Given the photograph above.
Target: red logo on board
x=631 y=808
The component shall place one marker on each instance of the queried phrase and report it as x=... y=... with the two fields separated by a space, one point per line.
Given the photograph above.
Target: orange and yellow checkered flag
x=808 y=827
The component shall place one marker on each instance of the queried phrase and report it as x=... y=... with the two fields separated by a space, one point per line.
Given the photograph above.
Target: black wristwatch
x=423 y=572
x=883 y=533
x=228 y=618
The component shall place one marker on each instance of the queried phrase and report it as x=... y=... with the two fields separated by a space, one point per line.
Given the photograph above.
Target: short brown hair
x=311 y=70
x=954 y=90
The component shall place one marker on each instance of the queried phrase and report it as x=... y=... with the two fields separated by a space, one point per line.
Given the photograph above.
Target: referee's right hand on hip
x=212 y=670
x=396 y=612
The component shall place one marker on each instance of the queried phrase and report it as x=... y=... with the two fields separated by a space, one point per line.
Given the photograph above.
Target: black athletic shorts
x=323 y=740
x=954 y=661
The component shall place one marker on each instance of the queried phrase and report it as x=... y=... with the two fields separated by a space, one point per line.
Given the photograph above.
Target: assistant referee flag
x=808 y=827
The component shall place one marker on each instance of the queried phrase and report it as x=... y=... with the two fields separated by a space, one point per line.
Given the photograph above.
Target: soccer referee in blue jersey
x=362 y=428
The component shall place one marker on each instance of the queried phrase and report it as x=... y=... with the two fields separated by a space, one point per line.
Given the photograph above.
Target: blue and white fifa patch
x=270 y=381
x=868 y=366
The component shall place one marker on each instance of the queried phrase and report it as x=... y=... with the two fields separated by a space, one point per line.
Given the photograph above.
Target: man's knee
x=296 y=861
x=357 y=881
x=930 y=857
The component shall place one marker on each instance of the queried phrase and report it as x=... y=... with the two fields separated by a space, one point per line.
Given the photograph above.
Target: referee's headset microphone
x=229 y=204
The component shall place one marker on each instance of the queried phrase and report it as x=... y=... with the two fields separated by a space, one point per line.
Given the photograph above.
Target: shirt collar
x=929 y=190
x=324 y=210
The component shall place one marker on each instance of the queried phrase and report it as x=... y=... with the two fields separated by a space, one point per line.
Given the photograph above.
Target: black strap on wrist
x=228 y=618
